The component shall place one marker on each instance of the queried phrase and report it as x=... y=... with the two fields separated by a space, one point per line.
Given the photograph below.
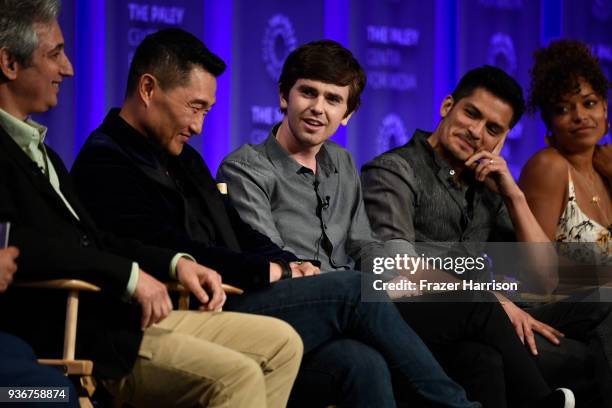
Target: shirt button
x=85 y=241
x=451 y=172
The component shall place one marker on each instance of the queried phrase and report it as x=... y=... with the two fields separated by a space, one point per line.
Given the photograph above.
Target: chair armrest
x=73 y=287
x=184 y=293
x=65 y=284
x=232 y=290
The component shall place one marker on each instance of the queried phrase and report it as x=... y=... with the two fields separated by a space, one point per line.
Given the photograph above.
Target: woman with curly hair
x=568 y=184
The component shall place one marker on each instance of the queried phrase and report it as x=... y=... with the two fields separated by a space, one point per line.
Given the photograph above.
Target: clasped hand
x=155 y=301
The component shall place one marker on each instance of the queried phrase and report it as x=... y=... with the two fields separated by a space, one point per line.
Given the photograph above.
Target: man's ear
x=346 y=118
x=8 y=64
x=447 y=105
x=146 y=88
x=282 y=102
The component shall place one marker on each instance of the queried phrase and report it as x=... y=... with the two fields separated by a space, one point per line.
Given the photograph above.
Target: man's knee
x=358 y=363
x=351 y=363
x=560 y=363
x=284 y=340
x=369 y=366
x=243 y=380
x=244 y=370
x=343 y=371
x=289 y=338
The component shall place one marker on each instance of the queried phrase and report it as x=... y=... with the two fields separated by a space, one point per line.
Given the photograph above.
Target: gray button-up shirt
x=318 y=216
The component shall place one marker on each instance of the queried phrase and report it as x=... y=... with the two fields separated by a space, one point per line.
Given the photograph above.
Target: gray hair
x=17 y=19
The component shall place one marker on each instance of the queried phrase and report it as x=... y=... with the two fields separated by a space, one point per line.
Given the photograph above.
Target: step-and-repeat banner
x=265 y=32
x=395 y=45
x=413 y=53
x=505 y=34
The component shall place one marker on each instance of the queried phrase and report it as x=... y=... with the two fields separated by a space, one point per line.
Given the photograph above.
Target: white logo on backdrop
x=391 y=133
x=602 y=9
x=503 y=55
x=501 y=52
x=604 y=53
x=278 y=41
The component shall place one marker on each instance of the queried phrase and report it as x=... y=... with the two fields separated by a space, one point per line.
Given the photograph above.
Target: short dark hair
x=556 y=71
x=170 y=55
x=496 y=81
x=325 y=61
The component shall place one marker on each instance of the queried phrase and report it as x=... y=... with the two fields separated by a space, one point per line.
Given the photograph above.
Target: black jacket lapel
x=32 y=172
x=200 y=176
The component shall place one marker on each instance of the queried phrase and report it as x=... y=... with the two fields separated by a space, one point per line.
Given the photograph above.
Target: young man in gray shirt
x=303 y=191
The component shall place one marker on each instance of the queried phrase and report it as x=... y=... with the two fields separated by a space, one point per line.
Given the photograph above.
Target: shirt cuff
x=175 y=260
x=131 y=285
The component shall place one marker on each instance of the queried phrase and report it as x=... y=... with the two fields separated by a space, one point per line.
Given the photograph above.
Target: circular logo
x=602 y=9
x=278 y=41
x=501 y=52
x=392 y=133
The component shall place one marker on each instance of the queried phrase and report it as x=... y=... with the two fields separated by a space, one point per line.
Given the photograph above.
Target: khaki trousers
x=213 y=359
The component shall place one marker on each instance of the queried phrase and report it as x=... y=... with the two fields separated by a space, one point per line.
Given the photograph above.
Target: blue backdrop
x=413 y=52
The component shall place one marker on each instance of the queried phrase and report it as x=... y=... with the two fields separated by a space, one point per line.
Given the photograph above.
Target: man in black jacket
x=144 y=352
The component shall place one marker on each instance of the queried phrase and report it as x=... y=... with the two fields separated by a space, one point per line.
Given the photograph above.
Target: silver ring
x=491 y=161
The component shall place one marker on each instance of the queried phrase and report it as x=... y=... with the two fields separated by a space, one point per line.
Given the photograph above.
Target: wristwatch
x=286 y=269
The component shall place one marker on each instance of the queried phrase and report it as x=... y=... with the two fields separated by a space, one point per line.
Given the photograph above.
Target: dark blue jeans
x=18 y=368
x=329 y=307
x=344 y=373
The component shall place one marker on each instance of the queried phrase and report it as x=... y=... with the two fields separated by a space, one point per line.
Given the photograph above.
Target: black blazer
x=120 y=177
x=54 y=244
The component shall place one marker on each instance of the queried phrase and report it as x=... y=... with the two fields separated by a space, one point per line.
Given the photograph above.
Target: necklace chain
x=595 y=198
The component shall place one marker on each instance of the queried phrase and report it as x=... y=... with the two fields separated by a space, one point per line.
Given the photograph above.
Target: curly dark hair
x=556 y=72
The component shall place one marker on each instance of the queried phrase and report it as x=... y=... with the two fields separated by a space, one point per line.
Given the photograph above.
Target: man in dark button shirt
x=452 y=185
x=139 y=178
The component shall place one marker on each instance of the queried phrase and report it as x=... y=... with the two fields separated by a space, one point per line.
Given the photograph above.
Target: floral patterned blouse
x=576 y=227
